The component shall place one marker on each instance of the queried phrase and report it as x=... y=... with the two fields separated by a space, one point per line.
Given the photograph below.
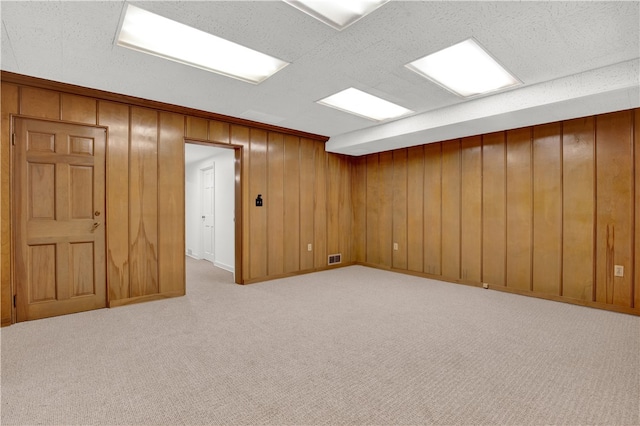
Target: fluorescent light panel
x=154 y=34
x=357 y=102
x=466 y=69
x=338 y=14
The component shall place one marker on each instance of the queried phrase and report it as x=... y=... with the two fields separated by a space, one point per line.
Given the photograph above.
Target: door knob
x=96 y=213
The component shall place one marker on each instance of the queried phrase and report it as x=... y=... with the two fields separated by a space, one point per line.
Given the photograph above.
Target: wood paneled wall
x=145 y=207
x=306 y=196
x=306 y=191
x=546 y=210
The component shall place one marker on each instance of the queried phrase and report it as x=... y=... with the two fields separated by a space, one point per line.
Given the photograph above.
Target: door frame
x=12 y=202
x=238 y=197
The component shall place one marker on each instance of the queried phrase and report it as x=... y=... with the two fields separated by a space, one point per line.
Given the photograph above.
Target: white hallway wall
x=223 y=161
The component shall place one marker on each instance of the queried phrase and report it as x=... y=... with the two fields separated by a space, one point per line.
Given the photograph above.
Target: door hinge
x=13 y=138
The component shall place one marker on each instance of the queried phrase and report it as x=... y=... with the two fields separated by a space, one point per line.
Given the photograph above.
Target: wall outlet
x=395 y=246
x=309 y=247
x=485 y=285
x=618 y=271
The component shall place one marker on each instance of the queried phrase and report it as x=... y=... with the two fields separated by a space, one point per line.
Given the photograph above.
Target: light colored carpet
x=348 y=346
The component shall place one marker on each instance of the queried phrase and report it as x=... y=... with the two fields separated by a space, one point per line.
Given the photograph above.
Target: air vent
x=335 y=259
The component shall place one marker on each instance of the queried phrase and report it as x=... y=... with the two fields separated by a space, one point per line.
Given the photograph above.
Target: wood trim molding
x=587 y=303
x=25 y=80
x=297 y=273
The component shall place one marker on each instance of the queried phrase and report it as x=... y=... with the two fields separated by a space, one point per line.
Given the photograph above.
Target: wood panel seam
x=158 y=198
x=460 y=274
x=440 y=146
x=130 y=113
x=595 y=210
x=506 y=210
x=633 y=210
x=532 y=212
x=481 y=208
x=561 y=253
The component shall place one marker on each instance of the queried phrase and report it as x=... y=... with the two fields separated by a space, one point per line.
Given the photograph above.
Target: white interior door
x=208 y=209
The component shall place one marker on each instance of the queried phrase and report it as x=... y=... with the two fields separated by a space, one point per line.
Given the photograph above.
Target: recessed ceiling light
x=338 y=14
x=466 y=69
x=357 y=102
x=150 y=33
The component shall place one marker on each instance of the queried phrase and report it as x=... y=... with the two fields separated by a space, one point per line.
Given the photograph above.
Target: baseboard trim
x=293 y=274
x=585 y=303
x=224 y=266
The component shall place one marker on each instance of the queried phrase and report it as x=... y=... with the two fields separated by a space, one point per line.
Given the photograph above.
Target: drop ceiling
x=574 y=59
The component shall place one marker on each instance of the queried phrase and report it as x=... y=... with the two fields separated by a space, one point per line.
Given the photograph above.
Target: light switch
x=309 y=247
x=395 y=246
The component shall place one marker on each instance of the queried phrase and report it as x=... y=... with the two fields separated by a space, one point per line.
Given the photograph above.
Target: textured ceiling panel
x=540 y=42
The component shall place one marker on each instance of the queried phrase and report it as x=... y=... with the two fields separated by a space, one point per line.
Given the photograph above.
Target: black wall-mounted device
x=259 y=201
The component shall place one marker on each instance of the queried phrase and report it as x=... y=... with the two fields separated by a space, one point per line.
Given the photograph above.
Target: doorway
x=212 y=204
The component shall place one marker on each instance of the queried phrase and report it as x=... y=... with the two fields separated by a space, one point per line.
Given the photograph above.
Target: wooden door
x=59 y=211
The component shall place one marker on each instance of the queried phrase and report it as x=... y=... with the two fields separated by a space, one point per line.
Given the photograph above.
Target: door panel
x=59 y=189
x=80 y=197
x=42 y=273
x=41 y=190
x=208 y=210
x=81 y=269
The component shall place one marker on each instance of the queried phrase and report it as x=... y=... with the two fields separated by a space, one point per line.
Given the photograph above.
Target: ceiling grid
x=574 y=58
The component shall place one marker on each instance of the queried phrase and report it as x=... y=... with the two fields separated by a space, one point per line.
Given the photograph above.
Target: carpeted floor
x=348 y=346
